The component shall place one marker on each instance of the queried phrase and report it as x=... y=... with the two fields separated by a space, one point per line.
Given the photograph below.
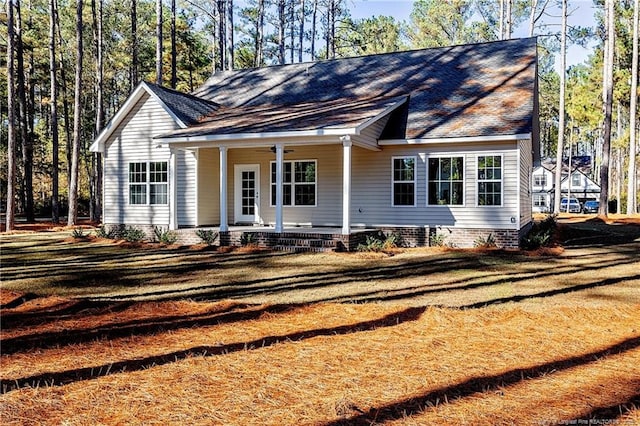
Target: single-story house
x=422 y=142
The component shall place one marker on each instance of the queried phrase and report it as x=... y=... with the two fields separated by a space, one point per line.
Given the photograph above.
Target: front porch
x=298 y=239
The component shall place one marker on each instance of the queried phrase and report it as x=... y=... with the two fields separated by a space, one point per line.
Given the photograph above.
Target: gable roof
x=185 y=109
x=484 y=89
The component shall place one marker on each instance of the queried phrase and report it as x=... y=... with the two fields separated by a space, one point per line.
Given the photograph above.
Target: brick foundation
x=310 y=241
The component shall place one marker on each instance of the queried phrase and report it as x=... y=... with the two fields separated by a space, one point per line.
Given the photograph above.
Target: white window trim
x=501 y=180
x=415 y=181
x=542 y=177
x=293 y=184
x=147 y=183
x=464 y=180
x=537 y=198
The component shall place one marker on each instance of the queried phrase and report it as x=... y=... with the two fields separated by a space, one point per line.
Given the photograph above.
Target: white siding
x=132 y=142
x=372 y=199
x=208 y=186
x=328 y=210
x=186 y=162
x=371 y=187
x=526 y=169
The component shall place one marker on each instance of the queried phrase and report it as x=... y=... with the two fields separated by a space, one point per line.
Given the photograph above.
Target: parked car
x=573 y=205
x=591 y=206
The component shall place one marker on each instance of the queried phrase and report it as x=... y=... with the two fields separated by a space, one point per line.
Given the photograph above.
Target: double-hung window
x=148 y=183
x=540 y=200
x=404 y=181
x=298 y=183
x=446 y=181
x=540 y=180
x=490 y=180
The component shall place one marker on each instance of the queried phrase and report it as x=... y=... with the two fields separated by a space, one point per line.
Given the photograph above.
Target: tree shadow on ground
x=417 y=404
x=606 y=415
x=87 y=373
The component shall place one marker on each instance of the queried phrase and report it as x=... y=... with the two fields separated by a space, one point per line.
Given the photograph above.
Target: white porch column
x=279 y=172
x=346 y=184
x=224 y=226
x=173 y=190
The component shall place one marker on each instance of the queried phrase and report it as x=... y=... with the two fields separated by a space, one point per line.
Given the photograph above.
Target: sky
x=582 y=13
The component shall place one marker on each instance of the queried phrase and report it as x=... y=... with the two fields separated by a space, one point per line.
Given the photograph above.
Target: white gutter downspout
x=279 y=172
x=224 y=226
x=346 y=184
x=173 y=194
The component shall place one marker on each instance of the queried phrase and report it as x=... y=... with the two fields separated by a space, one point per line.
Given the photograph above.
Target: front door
x=247 y=193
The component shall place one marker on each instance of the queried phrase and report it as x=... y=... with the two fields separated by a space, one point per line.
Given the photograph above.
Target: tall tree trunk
x=11 y=119
x=314 y=17
x=292 y=31
x=174 y=52
x=632 y=201
x=281 y=27
x=260 y=34
x=508 y=17
x=501 y=20
x=222 y=38
x=65 y=99
x=301 y=29
x=77 y=117
x=25 y=129
x=332 y=29
x=55 y=190
x=95 y=207
x=134 y=46
x=158 y=41
x=535 y=15
x=608 y=100
x=563 y=73
x=230 y=35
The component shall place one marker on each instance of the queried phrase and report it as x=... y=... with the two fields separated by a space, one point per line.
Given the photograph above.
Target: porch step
x=305 y=245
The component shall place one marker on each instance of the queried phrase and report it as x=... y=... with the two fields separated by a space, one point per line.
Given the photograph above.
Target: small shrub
x=482 y=242
x=380 y=242
x=102 y=232
x=540 y=235
x=207 y=236
x=437 y=240
x=133 y=235
x=248 y=239
x=79 y=233
x=164 y=236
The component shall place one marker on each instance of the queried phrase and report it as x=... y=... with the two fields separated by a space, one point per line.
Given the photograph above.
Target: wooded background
x=70 y=65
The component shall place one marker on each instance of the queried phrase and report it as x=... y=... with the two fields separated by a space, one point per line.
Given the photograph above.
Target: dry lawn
x=184 y=336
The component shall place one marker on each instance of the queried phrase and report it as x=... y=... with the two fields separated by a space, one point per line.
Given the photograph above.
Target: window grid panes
x=446 y=181
x=298 y=183
x=137 y=183
x=148 y=183
x=575 y=180
x=404 y=181
x=490 y=180
x=540 y=201
x=540 y=180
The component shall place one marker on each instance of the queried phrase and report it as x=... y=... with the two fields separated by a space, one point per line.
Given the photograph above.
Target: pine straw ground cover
x=328 y=364
x=551 y=339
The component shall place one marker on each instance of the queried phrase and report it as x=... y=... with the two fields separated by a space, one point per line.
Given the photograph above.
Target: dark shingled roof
x=188 y=108
x=472 y=90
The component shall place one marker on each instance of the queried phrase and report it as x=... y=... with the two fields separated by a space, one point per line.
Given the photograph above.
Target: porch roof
x=337 y=117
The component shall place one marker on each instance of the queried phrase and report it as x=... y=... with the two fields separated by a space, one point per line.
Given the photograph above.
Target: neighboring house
x=579 y=186
x=418 y=142
x=542 y=190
